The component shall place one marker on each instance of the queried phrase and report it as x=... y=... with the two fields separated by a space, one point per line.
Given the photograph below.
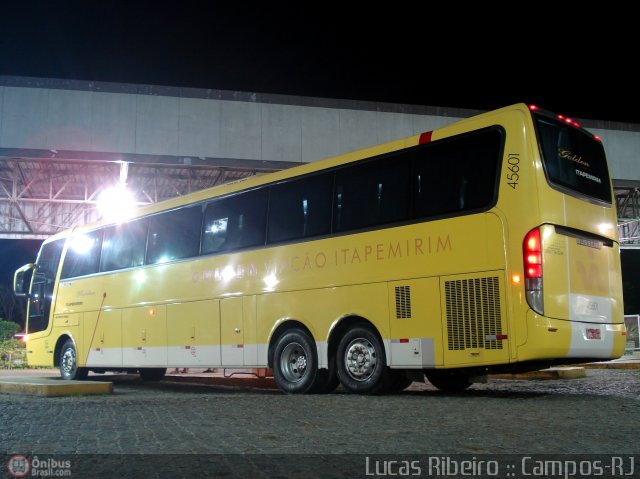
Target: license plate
x=593 y=333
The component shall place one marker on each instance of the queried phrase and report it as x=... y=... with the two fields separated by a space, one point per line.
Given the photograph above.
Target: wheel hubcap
x=293 y=362
x=360 y=359
x=68 y=361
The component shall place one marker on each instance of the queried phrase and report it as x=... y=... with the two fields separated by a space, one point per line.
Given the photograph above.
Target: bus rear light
x=533 y=107
x=567 y=120
x=532 y=256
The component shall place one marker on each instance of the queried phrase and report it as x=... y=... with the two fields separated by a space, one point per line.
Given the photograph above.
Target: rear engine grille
x=473 y=313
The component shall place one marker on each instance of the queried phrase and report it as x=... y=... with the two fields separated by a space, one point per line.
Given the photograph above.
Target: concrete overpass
x=62 y=142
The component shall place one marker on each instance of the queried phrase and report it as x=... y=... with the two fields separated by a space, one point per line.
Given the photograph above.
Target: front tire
x=295 y=364
x=69 y=369
x=361 y=361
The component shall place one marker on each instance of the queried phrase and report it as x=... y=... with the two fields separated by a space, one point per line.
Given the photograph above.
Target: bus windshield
x=573 y=160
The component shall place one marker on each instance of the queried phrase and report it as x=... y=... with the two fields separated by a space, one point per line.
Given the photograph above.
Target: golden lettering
x=569 y=155
x=418 y=246
x=395 y=252
x=294 y=263
x=444 y=245
x=253 y=269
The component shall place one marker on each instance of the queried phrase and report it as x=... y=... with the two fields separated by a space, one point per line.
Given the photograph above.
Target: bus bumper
x=549 y=338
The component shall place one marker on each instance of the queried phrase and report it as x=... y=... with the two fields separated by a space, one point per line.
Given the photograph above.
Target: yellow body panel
x=223 y=310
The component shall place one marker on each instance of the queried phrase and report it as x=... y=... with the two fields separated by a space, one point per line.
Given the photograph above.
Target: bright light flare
x=271 y=281
x=228 y=273
x=116 y=204
x=605 y=228
x=81 y=244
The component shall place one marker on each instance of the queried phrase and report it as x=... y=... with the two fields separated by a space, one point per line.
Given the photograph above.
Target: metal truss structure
x=628 y=206
x=42 y=196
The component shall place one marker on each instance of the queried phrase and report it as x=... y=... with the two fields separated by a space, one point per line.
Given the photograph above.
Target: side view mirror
x=22 y=279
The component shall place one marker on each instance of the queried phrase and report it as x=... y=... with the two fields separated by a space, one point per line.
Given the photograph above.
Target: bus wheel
x=361 y=361
x=295 y=363
x=152 y=374
x=449 y=381
x=69 y=369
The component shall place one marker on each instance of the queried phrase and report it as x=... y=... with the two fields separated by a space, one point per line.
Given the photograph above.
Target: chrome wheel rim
x=293 y=362
x=360 y=359
x=68 y=362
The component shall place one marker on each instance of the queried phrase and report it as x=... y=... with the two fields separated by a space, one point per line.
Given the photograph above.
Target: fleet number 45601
x=513 y=167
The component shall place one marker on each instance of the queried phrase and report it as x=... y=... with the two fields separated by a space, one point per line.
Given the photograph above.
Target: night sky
x=400 y=53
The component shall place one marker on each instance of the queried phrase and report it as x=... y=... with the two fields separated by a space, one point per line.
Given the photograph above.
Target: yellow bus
x=488 y=245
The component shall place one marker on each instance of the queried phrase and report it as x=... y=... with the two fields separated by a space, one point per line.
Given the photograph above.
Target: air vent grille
x=473 y=313
x=403 y=302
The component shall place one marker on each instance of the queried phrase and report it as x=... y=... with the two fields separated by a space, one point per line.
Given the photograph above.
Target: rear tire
x=449 y=381
x=361 y=361
x=152 y=374
x=68 y=361
x=295 y=364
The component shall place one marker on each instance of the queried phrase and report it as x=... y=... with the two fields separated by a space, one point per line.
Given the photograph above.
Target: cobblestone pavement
x=599 y=414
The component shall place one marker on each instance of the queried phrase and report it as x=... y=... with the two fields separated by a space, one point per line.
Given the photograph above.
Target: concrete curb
x=624 y=364
x=52 y=387
x=551 y=373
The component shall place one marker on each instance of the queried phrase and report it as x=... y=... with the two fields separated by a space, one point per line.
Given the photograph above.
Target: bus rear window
x=574 y=161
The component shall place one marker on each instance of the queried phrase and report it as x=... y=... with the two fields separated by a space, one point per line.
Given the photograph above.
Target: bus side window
x=83 y=255
x=300 y=208
x=372 y=193
x=454 y=176
x=174 y=235
x=235 y=222
x=124 y=246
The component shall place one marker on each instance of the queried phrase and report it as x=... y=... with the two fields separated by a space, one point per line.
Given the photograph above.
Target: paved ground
x=192 y=417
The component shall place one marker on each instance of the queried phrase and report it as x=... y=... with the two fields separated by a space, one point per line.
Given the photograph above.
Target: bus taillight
x=532 y=254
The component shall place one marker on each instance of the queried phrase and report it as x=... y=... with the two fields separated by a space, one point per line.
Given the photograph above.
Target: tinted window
x=300 y=209
x=42 y=286
x=372 y=193
x=235 y=222
x=174 y=235
x=83 y=255
x=573 y=159
x=124 y=246
x=457 y=175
